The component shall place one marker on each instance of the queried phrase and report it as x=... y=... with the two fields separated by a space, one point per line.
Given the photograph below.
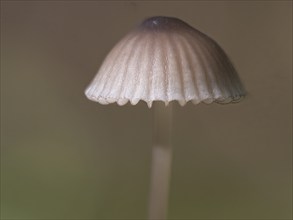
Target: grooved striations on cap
x=165 y=59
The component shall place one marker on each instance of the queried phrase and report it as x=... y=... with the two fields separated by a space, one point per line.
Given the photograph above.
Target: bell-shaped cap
x=165 y=59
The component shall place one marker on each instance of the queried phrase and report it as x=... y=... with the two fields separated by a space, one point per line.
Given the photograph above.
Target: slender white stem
x=161 y=161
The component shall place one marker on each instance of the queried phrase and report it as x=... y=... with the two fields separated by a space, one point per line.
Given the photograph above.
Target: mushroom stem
x=161 y=161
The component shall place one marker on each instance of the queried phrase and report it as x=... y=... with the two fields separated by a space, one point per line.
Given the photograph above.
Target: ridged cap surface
x=165 y=59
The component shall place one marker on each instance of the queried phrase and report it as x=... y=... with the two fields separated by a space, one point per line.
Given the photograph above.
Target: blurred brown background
x=64 y=157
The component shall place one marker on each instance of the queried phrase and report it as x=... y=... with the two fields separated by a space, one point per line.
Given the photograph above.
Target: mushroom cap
x=165 y=59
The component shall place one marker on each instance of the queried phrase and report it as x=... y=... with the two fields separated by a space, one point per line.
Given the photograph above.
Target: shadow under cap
x=173 y=62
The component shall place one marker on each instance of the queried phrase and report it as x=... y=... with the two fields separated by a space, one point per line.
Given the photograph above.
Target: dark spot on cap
x=163 y=23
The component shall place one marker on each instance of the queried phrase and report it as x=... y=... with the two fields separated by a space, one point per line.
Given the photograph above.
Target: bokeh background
x=64 y=157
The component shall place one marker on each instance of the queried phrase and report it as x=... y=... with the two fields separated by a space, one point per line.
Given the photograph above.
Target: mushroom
x=162 y=60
